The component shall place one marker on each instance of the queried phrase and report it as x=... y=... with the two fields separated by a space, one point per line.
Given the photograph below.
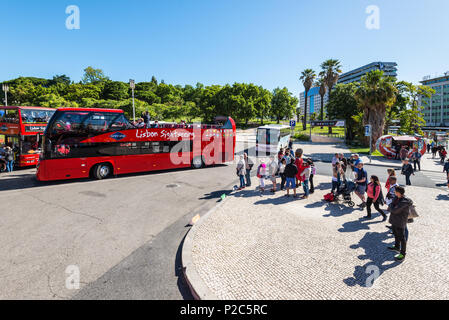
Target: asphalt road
x=123 y=234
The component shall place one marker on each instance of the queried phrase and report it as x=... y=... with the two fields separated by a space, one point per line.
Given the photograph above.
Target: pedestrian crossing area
x=438 y=177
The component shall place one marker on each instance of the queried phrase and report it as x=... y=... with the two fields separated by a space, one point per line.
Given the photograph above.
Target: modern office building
x=389 y=68
x=314 y=101
x=436 y=108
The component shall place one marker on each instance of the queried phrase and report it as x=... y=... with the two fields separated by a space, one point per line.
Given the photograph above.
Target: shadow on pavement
x=338 y=210
x=357 y=225
x=442 y=197
x=215 y=195
x=380 y=259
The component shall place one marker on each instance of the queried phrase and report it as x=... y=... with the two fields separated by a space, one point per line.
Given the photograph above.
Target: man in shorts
x=361 y=183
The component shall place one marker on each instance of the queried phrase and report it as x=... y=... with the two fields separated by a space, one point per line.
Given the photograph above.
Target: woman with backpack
x=9 y=157
x=375 y=196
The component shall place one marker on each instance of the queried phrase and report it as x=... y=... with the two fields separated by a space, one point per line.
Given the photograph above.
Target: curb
x=198 y=288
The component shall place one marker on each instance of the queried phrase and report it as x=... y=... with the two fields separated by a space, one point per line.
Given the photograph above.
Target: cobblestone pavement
x=272 y=247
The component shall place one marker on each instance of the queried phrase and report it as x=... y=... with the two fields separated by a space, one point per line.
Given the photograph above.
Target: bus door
x=29 y=150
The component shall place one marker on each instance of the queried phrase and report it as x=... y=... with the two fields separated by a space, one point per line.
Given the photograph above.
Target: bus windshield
x=36 y=116
x=267 y=136
x=85 y=123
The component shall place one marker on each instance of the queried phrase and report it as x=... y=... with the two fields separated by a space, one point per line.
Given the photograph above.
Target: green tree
x=63 y=79
x=92 y=75
x=55 y=101
x=307 y=78
x=115 y=90
x=283 y=104
x=77 y=91
x=192 y=111
x=343 y=105
x=411 y=118
x=375 y=94
x=263 y=103
x=154 y=81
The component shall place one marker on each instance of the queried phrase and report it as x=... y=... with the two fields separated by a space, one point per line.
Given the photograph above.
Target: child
x=281 y=172
x=305 y=175
x=312 y=174
x=391 y=173
x=290 y=174
x=261 y=173
x=390 y=195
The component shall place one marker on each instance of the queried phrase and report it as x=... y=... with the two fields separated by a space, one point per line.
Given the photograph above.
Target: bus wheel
x=102 y=171
x=197 y=162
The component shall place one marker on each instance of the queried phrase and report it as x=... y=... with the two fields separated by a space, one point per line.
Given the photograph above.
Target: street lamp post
x=5 y=88
x=132 y=84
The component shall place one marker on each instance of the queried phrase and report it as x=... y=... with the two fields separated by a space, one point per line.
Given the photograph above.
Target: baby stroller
x=344 y=190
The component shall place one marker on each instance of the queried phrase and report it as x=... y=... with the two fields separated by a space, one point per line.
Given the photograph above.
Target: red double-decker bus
x=22 y=128
x=98 y=143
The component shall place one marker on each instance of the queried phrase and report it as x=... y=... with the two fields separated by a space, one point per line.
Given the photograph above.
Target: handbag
x=412 y=212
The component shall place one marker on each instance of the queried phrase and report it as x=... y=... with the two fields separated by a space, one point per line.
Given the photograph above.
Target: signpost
x=368 y=133
x=5 y=89
x=132 y=85
x=293 y=125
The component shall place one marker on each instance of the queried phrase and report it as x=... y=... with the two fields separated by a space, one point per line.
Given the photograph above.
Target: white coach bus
x=271 y=138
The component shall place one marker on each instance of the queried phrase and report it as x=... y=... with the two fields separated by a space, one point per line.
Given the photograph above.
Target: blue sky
x=266 y=42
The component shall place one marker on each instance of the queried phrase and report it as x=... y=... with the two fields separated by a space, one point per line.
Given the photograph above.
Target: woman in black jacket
x=399 y=213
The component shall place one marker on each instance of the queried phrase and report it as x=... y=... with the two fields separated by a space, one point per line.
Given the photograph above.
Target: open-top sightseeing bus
x=22 y=128
x=85 y=142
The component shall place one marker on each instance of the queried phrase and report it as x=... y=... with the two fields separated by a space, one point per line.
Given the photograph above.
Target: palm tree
x=332 y=70
x=375 y=94
x=307 y=78
x=323 y=89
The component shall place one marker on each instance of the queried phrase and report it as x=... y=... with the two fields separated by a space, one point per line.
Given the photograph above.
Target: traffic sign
x=292 y=123
x=368 y=130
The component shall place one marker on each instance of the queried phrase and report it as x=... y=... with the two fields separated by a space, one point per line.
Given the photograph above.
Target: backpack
x=412 y=212
x=329 y=197
x=258 y=171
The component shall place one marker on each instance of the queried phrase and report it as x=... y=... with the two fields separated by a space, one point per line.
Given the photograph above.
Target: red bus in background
x=86 y=142
x=22 y=128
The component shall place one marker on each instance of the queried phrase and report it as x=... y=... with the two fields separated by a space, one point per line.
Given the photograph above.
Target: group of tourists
x=370 y=192
x=6 y=158
x=288 y=166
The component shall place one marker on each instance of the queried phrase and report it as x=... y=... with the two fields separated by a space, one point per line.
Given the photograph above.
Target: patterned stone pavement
x=273 y=247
